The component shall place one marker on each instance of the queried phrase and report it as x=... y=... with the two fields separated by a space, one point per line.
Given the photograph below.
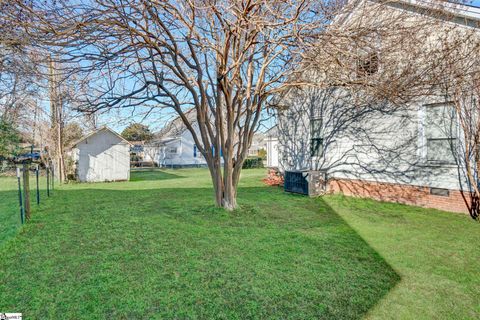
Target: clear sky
x=476 y=3
x=119 y=119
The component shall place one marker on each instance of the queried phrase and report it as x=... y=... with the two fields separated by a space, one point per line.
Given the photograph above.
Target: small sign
x=10 y=316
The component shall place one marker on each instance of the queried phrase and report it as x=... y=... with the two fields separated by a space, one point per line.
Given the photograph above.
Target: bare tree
x=223 y=58
x=29 y=77
x=459 y=79
x=18 y=67
x=227 y=59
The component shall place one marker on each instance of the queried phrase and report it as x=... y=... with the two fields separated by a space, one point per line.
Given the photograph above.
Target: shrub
x=262 y=153
x=254 y=162
x=70 y=169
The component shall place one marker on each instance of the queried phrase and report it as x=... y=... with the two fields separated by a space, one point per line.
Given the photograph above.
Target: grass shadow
x=152 y=175
x=166 y=253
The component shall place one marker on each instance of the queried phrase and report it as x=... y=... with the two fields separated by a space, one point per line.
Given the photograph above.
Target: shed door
x=85 y=166
x=94 y=169
x=108 y=163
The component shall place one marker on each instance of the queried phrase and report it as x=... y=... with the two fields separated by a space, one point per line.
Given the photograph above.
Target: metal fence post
x=26 y=190
x=37 y=169
x=20 y=201
x=48 y=180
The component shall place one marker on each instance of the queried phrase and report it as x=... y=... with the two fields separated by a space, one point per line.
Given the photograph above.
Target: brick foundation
x=407 y=194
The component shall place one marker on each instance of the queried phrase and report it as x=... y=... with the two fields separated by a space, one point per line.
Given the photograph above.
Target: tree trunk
x=224 y=185
x=229 y=201
x=56 y=106
x=225 y=197
x=60 y=153
x=230 y=190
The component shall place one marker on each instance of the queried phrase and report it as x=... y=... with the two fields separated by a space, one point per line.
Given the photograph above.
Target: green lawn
x=9 y=210
x=156 y=248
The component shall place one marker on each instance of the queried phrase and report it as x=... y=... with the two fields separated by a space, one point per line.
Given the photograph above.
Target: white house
x=329 y=143
x=174 y=145
x=102 y=155
x=258 y=143
x=271 y=139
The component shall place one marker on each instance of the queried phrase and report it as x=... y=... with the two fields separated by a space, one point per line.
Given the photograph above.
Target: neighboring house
x=403 y=154
x=174 y=145
x=137 y=149
x=258 y=143
x=271 y=139
x=102 y=155
x=140 y=154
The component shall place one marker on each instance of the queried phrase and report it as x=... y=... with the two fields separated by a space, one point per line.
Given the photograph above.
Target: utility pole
x=56 y=117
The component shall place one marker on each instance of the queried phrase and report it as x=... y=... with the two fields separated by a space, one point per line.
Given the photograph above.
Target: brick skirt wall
x=407 y=194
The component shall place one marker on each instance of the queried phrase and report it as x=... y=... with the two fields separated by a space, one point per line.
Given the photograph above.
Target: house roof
x=104 y=128
x=456 y=9
x=176 y=127
x=272 y=132
x=455 y=12
x=258 y=137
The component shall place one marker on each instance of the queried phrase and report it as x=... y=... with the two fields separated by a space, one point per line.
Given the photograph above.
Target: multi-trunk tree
x=229 y=60
x=225 y=59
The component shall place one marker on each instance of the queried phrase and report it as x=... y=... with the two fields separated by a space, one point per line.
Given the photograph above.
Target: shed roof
x=104 y=128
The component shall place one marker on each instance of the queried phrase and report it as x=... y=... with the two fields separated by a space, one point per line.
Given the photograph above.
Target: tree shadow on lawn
x=152 y=175
x=167 y=253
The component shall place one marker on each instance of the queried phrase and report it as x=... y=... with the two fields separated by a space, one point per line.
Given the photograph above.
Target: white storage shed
x=102 y=155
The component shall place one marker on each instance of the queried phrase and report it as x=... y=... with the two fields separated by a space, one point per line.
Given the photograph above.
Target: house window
x=194 y=150
x=316 y=139
x=441 y=134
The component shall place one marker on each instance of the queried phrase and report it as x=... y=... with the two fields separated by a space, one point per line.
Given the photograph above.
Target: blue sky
x=476 y=3
x=119 y=119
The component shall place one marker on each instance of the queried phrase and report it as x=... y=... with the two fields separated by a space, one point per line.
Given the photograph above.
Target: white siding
x=272 y=152
x=185 y=155
x=360 y=143
x=103 y=156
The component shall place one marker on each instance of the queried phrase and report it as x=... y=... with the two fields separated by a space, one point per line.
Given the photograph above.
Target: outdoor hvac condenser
x=311 y=183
